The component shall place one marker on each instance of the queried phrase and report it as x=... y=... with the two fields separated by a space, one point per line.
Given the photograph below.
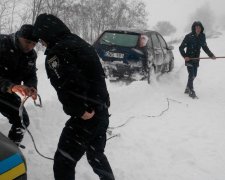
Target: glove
x=25 y=91
x=21 y=89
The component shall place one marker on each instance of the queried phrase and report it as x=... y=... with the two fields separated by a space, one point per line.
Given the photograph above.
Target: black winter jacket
x=15 y=66
x=73 y=67
x=193 y=44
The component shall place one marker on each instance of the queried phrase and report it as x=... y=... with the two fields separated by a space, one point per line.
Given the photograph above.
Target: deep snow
x=186 y=142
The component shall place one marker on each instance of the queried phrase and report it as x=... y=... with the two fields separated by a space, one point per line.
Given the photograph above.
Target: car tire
x=171 y=65
x=151 y=70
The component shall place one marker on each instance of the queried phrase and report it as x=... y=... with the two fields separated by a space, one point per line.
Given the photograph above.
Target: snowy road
x=187 y=142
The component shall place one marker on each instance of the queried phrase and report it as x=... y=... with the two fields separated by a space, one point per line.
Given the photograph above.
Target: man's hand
x=21 y=89
x=33 y=93
x=25 y=91
x=187 y=59
x=87 y=115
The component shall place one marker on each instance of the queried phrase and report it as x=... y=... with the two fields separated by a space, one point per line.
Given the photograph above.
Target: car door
x=166 y=54
x=157 y=49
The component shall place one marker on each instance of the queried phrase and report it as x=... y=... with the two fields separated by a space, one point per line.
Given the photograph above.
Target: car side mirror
x=170 y=47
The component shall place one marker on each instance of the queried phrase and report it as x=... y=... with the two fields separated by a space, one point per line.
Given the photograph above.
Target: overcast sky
x=179 y=12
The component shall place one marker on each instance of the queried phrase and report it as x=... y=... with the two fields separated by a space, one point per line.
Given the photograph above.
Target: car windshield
x=119 y=39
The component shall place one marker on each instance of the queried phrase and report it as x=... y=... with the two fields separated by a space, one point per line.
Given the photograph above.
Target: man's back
x=78 y=69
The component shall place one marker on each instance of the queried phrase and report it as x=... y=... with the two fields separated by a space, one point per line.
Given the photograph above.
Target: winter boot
x=192 y=94
x=187 y=90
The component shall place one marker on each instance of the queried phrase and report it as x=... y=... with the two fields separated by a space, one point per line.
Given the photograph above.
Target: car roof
x=124 y=30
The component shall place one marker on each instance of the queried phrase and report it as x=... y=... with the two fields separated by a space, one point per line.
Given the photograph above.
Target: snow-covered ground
x=186 y=142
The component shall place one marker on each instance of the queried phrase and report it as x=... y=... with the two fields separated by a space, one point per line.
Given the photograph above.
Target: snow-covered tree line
x=87 y=18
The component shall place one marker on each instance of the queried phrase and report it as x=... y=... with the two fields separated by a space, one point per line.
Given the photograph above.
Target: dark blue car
x=133 y=54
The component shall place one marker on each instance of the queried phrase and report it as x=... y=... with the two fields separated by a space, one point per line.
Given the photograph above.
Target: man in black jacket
x=193 y=42
x=75 y=72
x=17 y=66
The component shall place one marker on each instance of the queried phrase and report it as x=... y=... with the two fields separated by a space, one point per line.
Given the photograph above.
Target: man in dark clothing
x=17 y=66
x=75 y=72
x=193 y=42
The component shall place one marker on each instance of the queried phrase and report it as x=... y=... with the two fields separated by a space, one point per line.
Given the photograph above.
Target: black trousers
x=192 y=74
x=79 y=137
x=9 y=107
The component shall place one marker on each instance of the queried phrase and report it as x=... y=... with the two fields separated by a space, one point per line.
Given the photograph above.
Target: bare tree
x=36 y=7
x=54 y=6
x=12 y=16
x=97 y=16
x=88 y=18
x=165 y=28
x=137 y=15
x=9 y=15
x=25 y=16
x=33 y=9
x=3 y=8
x=206 y=15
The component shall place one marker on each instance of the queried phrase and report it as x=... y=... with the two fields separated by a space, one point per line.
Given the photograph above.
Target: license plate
x=114 y=55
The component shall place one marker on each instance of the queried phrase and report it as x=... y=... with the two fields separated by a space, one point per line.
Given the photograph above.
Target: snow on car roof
x=124 y=30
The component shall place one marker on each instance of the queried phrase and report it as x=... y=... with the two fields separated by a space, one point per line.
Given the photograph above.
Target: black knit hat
x=26 y=32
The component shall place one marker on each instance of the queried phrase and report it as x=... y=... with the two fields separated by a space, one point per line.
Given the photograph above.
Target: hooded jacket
x=15 y=66
x=193 y=44
x=73 y=67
